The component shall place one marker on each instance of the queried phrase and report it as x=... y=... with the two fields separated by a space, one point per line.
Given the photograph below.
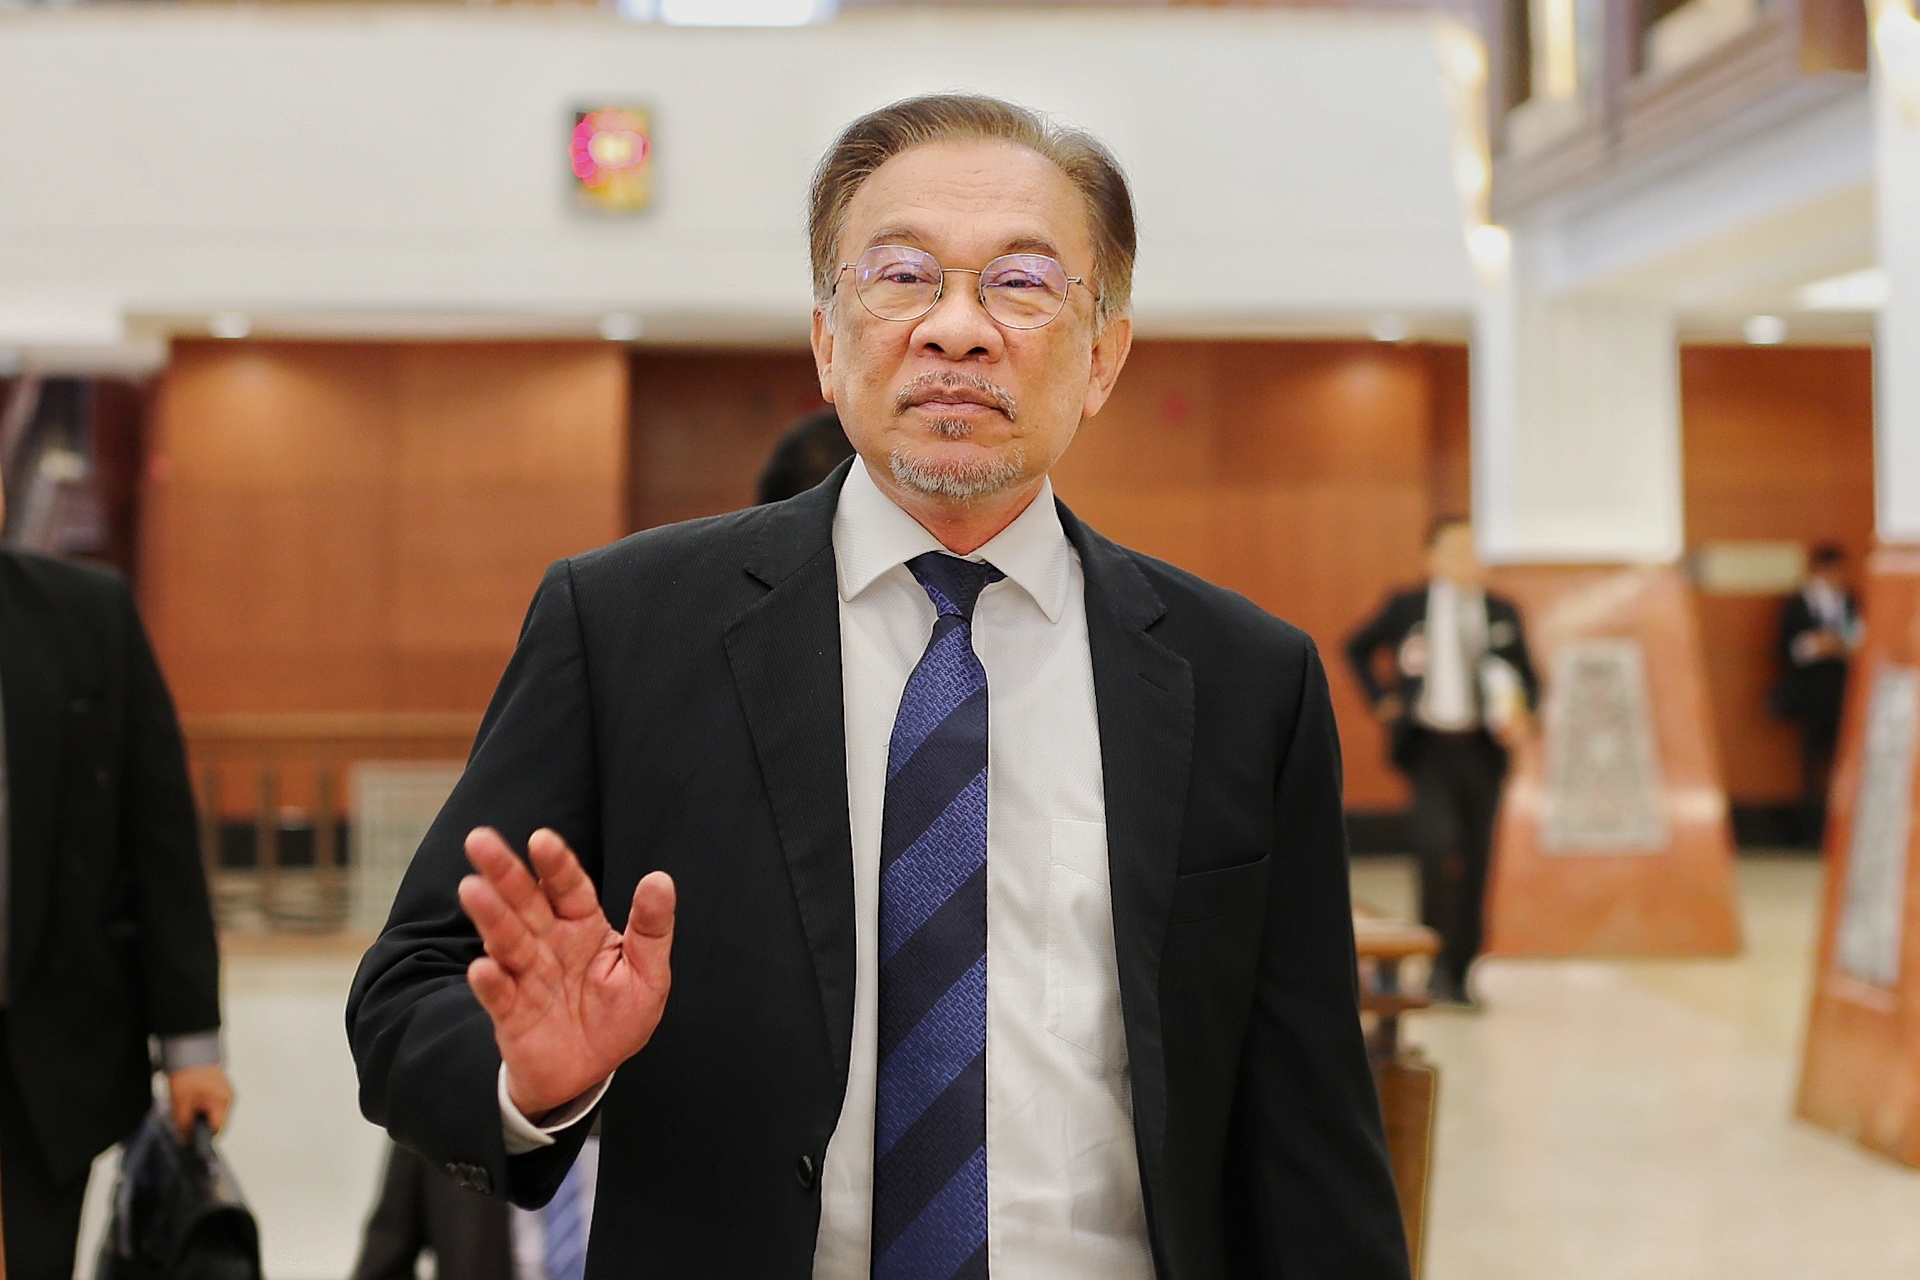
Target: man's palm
x=570 y=997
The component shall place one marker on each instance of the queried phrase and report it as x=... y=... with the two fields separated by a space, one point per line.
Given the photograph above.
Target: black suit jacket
x=110 y=935
x=675 y=702
x=1400 y=619
x=1813 y=691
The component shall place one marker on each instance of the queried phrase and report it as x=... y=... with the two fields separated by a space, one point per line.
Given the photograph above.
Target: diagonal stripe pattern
x=564 y=1225
x=930 y=1121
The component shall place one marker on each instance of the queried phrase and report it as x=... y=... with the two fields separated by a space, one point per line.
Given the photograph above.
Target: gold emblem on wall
x=611 y=154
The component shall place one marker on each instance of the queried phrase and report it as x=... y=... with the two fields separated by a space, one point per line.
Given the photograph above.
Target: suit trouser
x=1819 y=740
x=39 y=1213
x=1456 y=795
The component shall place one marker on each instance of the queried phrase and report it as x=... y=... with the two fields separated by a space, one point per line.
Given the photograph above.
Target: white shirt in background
x=1456 y=635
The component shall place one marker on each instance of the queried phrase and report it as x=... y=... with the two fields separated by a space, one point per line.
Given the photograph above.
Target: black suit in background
x=420 y=1208
x=1811 y=694
x=110 y=936
x=1455 y=777
x=675 y=702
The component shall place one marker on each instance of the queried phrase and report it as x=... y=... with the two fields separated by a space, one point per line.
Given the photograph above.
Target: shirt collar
x=872 y=535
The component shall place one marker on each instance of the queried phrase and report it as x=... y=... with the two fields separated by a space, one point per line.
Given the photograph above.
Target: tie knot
x=953 y=584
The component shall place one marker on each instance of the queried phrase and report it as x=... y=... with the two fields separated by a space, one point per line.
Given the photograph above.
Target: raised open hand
x=570 y=997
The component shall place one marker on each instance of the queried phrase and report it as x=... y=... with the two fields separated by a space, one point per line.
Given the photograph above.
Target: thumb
x=648 y=940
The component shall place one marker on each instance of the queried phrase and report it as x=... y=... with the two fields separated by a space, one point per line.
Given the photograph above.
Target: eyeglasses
x=1019 y=290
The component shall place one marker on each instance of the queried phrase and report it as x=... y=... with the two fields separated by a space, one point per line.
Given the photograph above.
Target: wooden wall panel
x=359 y=527
x=1298 y=473
x=703 y=424
x=1778 y=445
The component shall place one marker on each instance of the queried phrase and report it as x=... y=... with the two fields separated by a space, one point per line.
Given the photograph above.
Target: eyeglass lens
x=1019 y=290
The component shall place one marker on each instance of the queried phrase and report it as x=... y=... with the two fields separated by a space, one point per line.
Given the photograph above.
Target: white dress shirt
x=1456 y=637
x=1063 y=1180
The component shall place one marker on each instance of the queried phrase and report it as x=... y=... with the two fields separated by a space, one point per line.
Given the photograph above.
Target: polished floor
x=1633 y=1120
x=1598 y=1120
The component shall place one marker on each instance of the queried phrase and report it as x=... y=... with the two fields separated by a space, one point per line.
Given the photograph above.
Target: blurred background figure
x=805 y=455
x=106 y=936
x=1462 y=691
x=474 y=1237
x=1819 y=630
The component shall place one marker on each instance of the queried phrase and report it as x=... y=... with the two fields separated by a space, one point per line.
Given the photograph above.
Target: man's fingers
x=562 y=879
x=493 y=858
x=503 y=931
x=493 y=986
x=648 y=941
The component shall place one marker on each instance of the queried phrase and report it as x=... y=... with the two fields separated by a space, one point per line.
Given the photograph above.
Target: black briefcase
x=177 y=1212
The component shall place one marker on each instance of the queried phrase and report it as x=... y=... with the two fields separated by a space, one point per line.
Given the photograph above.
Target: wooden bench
x=1407 y=1082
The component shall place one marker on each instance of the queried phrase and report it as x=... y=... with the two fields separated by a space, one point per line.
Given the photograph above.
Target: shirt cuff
x=183 y=1053
x=523 y=1135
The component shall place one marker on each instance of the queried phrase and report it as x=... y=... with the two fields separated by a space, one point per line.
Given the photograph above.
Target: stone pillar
x=1576 y=424
x=1863 y=1031
x=1614 y=837
x=1896 y=355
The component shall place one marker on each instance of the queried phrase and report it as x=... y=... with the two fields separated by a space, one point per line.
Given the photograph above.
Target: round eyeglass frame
x=980 y=290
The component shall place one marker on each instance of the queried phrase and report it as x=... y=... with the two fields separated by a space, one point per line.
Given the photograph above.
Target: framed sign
x=611 y=155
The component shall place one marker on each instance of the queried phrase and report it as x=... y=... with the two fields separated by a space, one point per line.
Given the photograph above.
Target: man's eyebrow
x=911 y=238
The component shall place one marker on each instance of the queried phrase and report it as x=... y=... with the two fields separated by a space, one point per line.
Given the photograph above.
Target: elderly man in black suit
x=108 y=932
x=1462 y=691
x=998 y=872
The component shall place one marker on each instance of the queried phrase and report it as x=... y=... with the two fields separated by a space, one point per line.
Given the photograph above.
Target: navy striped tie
x=930 y=1119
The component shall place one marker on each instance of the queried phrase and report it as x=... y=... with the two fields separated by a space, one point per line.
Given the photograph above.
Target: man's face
x=1453 y=557
x=953 y=406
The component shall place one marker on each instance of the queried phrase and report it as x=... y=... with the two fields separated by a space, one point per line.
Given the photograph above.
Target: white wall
x=366 y=163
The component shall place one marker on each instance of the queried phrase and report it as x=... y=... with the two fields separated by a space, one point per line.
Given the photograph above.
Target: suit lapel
x=1144 y=695
x=784 y=650
x=33 y=694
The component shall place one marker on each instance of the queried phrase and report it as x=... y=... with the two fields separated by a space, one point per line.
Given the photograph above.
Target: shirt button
x=803 y=1170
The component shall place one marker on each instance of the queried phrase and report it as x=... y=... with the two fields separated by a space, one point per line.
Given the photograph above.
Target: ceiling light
x=745 y=13
x=229 y=324
x=620 y=326
x=1854 y=291
x=1491 y=248
x=1388 y=328
x=1765 y=331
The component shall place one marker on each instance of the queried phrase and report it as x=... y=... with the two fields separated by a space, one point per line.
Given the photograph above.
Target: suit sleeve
x=421 y=1043
x=1320 y=1182
x=1363 y=644
x=160 y=840
x=1523 y=662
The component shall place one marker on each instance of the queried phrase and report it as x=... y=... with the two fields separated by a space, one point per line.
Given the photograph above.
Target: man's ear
x=823 y=351
x=1110 y=348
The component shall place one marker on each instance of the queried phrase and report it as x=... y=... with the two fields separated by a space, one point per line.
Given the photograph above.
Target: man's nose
x=958 y=326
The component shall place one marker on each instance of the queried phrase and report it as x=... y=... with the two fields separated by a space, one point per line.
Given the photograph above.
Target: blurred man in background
x=1462 y=692
x=474 y=1237
x=806 y=454
x=1819 y=630
x=109 y=935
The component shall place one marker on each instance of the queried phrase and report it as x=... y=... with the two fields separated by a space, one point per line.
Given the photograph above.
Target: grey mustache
x=1001 y=398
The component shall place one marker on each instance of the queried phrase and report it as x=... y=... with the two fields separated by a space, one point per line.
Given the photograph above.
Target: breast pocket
x=1083 y=976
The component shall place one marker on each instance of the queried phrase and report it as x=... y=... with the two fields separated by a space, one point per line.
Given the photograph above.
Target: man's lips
x=950 y=401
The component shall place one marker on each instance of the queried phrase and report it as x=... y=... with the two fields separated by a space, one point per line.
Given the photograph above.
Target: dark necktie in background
x=930 y=1119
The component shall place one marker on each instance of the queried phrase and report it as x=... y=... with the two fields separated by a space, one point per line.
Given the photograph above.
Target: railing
x=274 y=804
x=1612 y=82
